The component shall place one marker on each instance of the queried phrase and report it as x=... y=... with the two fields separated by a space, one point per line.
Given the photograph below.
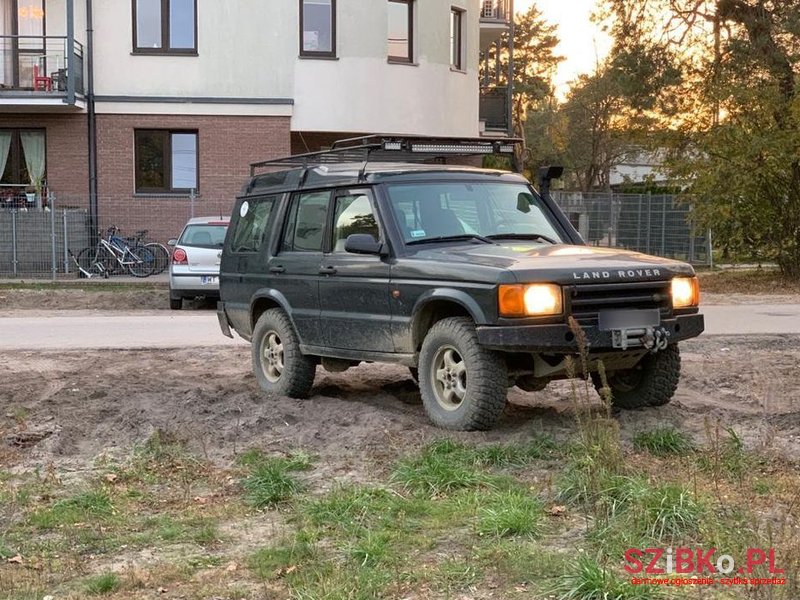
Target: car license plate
x=611 y=320
x=206 y=279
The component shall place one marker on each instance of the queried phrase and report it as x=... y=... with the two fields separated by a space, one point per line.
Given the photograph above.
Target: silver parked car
x=194 y=270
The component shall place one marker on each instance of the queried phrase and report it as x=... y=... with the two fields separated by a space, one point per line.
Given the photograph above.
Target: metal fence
x=37 y=237
x=659 y=224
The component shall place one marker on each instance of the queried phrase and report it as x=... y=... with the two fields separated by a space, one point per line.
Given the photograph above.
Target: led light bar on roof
x=452 y=149
x=392 y=145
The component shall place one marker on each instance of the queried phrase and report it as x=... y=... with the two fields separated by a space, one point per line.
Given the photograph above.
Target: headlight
x=534 y=300
x=685 y=292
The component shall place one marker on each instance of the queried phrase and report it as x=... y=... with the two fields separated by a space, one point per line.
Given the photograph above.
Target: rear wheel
x=463 y=385
x=279 y=366
x=652 y=382
x=160 y=256
x=96 y=261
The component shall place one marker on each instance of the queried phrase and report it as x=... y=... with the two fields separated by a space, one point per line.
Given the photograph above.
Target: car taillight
x=179 y=257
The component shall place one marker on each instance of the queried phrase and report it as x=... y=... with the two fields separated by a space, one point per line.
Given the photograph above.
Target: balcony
x=496 y=11
x=495 y=21
x=493 y=109
x=40 y=72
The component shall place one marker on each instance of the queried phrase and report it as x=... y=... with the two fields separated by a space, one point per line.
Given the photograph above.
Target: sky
x=582 y=43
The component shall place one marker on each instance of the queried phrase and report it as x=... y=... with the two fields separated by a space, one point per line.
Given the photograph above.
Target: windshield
x=204 y=236
x=431 y=211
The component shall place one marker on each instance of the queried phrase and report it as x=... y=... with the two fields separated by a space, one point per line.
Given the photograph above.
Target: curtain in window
x=33 y=147
x=5 y=146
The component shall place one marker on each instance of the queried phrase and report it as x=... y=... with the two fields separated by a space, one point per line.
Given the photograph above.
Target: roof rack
x=393 y=148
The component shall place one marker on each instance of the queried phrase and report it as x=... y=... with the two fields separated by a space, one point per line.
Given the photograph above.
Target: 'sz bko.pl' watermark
x=701 y=566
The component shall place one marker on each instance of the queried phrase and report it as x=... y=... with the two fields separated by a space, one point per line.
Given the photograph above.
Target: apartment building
x=141 y=106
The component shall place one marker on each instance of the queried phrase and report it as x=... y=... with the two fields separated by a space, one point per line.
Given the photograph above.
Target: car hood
x=560 y=263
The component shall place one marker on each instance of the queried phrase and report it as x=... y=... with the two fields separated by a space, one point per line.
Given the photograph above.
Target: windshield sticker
x=244 y=208
x=418 y=233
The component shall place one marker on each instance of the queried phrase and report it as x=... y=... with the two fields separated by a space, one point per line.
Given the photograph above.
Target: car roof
x=216 y=220
x=356 y=173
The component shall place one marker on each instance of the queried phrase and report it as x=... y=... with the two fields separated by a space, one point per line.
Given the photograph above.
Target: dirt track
x=68 y=408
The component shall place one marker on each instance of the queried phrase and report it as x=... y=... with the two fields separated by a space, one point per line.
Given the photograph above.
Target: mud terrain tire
x=463 y=385
x=279 y=366
x=650 y=383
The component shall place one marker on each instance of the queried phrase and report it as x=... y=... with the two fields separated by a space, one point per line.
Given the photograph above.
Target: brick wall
x=226 y=147
x=67 y=151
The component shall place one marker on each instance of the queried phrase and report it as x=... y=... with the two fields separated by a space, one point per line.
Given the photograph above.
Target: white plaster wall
x=245 y=50
x=363 y=92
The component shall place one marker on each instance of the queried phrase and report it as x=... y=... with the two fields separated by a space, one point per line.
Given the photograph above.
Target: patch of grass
x=726 y=456
x=272 y=562
x=348 y=507
x=510 y=455
x=507 y=513
x=105 y=583
x=88 y=506
x=269 y=481
x=370 y=548
x=453 y=575
x=588 y=580
x=199 y=530
x=441 y=469
x=520 y=560
x=163 y=456
x=663 y=441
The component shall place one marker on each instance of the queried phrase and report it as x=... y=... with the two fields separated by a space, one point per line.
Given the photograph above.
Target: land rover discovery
x=375 y=251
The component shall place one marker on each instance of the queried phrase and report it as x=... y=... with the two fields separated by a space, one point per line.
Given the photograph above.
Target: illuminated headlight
x=534 y=300
x=685 y=292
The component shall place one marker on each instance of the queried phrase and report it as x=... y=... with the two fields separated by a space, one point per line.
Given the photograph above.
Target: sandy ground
x=68 y=408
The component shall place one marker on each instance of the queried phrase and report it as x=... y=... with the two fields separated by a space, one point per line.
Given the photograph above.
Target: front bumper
x=560 y=339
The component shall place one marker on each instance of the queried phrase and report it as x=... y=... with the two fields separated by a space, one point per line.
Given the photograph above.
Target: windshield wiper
x=452 y=238
x=521 y=236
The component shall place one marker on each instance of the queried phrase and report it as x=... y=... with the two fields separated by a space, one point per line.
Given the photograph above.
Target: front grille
x=587 y=300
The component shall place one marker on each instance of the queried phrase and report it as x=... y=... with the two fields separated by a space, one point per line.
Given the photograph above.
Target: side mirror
x=363 y=243
x=172 y=242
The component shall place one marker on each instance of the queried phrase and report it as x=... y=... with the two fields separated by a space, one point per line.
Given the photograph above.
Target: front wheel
x=652 y=382
x=143 y=262
x=463 y=385
x=279 y=366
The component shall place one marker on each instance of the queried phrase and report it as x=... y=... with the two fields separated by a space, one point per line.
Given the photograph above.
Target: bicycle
x=160 y=252
x=114 y=252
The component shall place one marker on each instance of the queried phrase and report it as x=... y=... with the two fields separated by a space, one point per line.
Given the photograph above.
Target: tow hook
x=655 y=339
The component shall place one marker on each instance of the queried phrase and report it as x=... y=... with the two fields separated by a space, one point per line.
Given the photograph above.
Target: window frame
x=457 y=45
x=275 y=199
x=409 y=59
x=167 y=191
x=290 y=215
x=330 y=243
x=16 y=144
x=165 y=48
x=318 y=53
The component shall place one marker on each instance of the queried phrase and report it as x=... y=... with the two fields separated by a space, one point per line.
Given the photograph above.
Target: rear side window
x=305 y=225
x=204 y=235
x=254 y=218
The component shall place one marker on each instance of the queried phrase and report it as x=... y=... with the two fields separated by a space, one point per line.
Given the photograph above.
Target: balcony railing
x=493 y=108
x=40 y=65
x=496 y=11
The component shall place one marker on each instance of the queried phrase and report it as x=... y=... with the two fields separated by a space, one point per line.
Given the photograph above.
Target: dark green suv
x=467 y=276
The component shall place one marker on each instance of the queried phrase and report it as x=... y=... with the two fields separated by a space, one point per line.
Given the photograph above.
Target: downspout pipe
x=91 y=125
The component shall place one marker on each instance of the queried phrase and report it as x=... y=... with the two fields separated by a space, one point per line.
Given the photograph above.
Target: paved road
x=63 y=331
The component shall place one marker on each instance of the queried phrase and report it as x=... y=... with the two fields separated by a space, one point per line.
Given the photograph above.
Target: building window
x=166 y=161
x=318 y=28
x=401 y=31
x=161 y=26
x=456 y=38
x=22 y=158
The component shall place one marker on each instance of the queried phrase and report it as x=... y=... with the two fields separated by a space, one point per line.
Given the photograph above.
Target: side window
x=353 y=215
x=254 y=216
x=305 y=225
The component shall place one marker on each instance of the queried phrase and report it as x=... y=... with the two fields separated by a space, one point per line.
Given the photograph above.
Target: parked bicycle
x=160 y=252
x=112 y=253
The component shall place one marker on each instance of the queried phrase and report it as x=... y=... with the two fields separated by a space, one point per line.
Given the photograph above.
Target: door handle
x=277 y=270
x=327 y=270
